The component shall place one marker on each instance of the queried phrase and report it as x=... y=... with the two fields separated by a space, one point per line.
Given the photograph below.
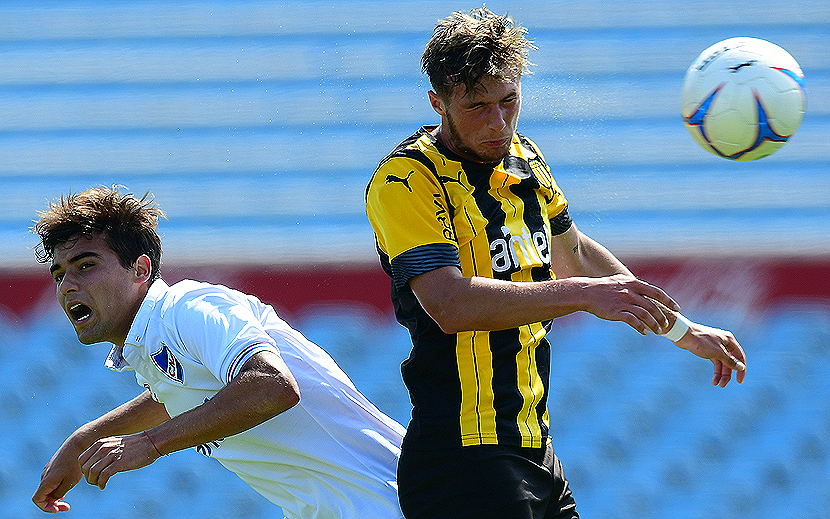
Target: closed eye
x=509 y=100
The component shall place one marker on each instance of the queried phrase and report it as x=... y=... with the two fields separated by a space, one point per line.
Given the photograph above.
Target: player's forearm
x=670 y=314
x=261 y=391
x=585 y=257
x=138 y=414
x=458 y=303
x=475 y=303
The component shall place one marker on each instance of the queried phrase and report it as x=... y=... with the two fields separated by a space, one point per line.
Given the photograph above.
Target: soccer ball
x=743 y=98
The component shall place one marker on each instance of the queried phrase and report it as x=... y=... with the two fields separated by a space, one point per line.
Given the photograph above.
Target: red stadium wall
x=749 y=283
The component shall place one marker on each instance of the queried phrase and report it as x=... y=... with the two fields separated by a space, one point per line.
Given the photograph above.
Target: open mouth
x=80 y=312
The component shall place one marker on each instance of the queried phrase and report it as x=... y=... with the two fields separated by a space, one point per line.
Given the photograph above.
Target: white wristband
x=678 y=329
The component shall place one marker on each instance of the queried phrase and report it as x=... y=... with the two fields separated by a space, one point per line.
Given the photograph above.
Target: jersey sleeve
x=560 y=219
x=411 y=219
x=561 y=222
x=221 y=332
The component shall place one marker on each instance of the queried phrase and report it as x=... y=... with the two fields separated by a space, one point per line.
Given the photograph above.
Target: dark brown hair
x=466 y=47
x=128 y=224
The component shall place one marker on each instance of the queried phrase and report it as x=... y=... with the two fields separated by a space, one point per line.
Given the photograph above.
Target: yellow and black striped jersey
x=431 y=208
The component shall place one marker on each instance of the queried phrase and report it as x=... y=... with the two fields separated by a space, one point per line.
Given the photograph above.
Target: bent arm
x=138 y=414
x=458 y=303
x=591 y=279
x=263 y=389
x=64 y=471
x=576 y=254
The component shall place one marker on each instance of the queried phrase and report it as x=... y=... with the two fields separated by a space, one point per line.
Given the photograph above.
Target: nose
x=67 y=285
x=498 y=118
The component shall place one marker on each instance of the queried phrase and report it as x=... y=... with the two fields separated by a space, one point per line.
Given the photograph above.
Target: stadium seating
x=637 y=425
x=257 y=126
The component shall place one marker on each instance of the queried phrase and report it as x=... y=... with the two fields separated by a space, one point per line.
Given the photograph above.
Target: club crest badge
x=168 y=364
x=541 y=172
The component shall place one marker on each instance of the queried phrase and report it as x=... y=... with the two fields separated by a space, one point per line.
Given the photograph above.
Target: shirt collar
x=115 y=360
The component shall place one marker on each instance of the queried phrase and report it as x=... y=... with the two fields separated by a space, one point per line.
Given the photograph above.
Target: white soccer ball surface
x=743 y=98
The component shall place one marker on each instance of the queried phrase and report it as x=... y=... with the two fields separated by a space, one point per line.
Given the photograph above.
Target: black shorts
x=482 y=482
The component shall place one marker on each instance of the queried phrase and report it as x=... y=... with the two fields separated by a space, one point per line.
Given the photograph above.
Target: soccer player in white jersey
x=222 y=373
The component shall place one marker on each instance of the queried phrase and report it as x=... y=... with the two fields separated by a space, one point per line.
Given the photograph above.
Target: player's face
x=479 y=125
x=99 y=296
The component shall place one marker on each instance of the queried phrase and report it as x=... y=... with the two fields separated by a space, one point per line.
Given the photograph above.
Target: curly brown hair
x=127 y=223
x=466 y=47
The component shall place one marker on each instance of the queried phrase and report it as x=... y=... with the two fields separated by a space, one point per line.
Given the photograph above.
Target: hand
x=625 y=298
x=109 y=456
x=59 y=476
x=720 y=347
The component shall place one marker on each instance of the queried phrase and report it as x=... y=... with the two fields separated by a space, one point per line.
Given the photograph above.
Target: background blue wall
x=257 y=126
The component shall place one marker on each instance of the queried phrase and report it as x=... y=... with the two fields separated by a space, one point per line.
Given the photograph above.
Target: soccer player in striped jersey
x=476 y=237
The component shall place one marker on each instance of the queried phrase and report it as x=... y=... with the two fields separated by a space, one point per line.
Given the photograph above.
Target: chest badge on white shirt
x=167 y=363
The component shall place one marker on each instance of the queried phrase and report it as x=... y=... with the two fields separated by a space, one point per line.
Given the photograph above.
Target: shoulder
x=410 y=174
x=411 y=147
x=529 y=153
x=188 y=296
x=415 y=155
x=184 y=291
x=524 y=148
x=528 y=143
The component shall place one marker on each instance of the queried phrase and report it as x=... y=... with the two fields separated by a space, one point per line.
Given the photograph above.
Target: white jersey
x=334 y=455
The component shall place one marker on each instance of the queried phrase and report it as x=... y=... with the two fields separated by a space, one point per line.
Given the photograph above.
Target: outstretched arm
x=717 y=345
x=591 y=279
x=576 y=254
x=263 y=389
x=457 y=303
x=64 y=471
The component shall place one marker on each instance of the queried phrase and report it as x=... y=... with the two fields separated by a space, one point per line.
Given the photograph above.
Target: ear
x=143 y=269
x=437 y=103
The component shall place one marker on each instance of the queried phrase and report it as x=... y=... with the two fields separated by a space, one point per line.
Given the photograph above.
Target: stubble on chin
x=487 y=156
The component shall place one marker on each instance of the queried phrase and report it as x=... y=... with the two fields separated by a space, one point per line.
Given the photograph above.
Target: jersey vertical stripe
x=531 y=385
x=478 y=414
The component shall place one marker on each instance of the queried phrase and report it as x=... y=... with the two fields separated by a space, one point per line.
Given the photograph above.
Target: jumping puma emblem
x=404 y=181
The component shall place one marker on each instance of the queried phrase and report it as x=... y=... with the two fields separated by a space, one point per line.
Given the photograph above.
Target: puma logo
x=443 y=179
x=404 y=181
